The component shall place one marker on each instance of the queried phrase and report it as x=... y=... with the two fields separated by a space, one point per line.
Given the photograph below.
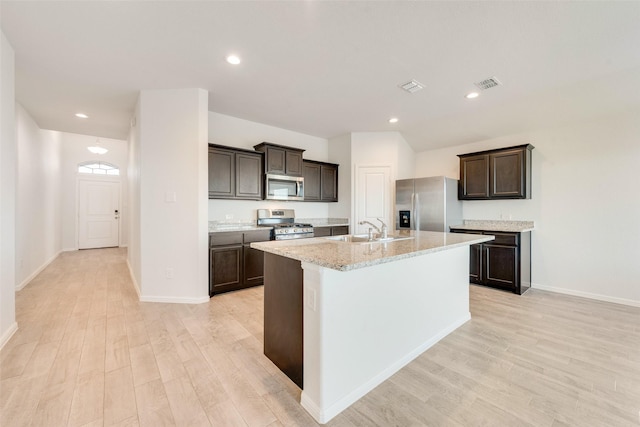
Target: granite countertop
x=495 y=225
x=345 y=256
x=222 y=226
x=324 y=222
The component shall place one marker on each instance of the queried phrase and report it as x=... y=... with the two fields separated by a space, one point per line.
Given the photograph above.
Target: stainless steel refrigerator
x=428 y=204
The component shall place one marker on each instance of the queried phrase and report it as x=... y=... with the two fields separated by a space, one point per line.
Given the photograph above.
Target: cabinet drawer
x=321 y=231
x=339 y=230
x=508 y=239
x=257 y=236
x=225 y=238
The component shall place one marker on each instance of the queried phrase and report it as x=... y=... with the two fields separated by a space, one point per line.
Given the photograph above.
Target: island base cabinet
x=283 y=315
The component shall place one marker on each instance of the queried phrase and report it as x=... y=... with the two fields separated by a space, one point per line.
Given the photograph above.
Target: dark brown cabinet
x=281 y=160
x=503 y=263
x=496 y=174
x=320 y=181
x=235 y=174
x=233 y=263
x=336 y=230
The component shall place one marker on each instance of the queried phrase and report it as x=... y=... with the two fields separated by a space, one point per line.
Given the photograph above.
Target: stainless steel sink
x=364 y=238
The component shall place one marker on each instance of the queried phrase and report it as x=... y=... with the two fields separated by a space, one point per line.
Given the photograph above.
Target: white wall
x=584 y=203
x=380 y=149
x=239 y=133
x=8 y=158
x=38 y=217
x=134 y=256
x=74 y=151
x=172 y=179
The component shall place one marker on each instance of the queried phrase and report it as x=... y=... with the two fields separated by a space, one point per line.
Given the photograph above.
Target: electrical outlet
x=228 y=216
x=169 y=273
x=310 y=298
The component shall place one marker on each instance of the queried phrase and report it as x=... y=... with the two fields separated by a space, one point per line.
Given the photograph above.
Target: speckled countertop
x=221 y=226
x=345 y=256
x=495 y=225
x=324 y=222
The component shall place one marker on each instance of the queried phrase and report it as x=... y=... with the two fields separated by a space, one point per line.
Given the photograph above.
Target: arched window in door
x=98 y=168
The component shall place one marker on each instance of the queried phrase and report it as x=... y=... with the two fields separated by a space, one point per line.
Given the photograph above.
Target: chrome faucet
x=382 y=231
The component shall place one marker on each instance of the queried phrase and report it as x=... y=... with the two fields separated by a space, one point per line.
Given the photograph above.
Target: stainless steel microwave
x=283 y=187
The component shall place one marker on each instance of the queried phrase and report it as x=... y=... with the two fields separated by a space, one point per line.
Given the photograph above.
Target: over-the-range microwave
x=283 y=187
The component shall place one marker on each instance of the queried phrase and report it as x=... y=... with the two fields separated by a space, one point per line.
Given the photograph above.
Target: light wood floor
x=88 y=353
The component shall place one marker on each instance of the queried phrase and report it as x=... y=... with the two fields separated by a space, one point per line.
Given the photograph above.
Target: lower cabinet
x=337 y=230
x=233 y=263
x=503 y=263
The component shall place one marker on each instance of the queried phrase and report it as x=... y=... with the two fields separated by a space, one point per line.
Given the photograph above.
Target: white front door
x=373 y=197
x=98 y=214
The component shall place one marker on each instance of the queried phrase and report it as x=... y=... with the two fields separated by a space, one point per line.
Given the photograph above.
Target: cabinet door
x=221 y=173
x=311 y=174
x=507 y=174
x=475 y=263
x=329 y=183
x=339 y=230
x=321 y=231
x=474 y=177
x=225 y=269
x=253 y=266
x=293 y=163
x=500 y=266
x=248 y=176
x=276 y=160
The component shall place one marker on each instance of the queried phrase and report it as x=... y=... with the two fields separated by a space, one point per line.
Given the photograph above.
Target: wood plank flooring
x=88 y=353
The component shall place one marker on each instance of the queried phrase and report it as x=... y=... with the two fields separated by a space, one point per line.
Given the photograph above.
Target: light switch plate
x=170 y=197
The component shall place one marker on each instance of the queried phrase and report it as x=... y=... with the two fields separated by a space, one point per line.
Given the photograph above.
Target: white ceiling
x=328 y=68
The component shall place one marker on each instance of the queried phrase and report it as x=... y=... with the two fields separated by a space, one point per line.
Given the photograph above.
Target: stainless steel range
x=284 y=225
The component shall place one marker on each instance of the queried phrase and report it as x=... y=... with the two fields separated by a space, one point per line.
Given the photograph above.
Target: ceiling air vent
x=412 y=86
x=488 y=83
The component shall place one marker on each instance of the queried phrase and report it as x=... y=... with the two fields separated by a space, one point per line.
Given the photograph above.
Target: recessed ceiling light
x=82 y=115
x=472 y=95
x=233 y=59
x=393 y=120
x=97 y=148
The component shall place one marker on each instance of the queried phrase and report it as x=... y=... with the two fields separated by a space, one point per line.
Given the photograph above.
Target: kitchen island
x=341 y=317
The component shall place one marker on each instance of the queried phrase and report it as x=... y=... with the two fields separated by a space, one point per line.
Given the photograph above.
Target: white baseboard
x=8 y=334
x=174 y=300
x=69 y=249
x=33 y=275
x=589 y=295
x=133 y=279
x=324 y=416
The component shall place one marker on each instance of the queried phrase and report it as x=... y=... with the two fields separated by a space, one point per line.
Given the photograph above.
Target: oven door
x=282 y=187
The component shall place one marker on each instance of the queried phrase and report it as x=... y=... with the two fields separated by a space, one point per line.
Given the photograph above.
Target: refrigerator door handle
x=416 y=211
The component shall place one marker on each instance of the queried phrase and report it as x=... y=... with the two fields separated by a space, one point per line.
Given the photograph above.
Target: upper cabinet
x=496 y=174
x=320 y=181
x=235 y=174
x=281 y=160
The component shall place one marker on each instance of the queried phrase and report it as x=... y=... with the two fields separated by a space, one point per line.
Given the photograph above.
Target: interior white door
x=98 y=214
x=373 y=197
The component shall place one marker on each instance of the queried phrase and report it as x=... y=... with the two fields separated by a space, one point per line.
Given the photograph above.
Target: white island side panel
x=362 y=326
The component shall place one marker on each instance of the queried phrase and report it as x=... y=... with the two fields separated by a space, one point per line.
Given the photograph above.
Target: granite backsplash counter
x=495 y=225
